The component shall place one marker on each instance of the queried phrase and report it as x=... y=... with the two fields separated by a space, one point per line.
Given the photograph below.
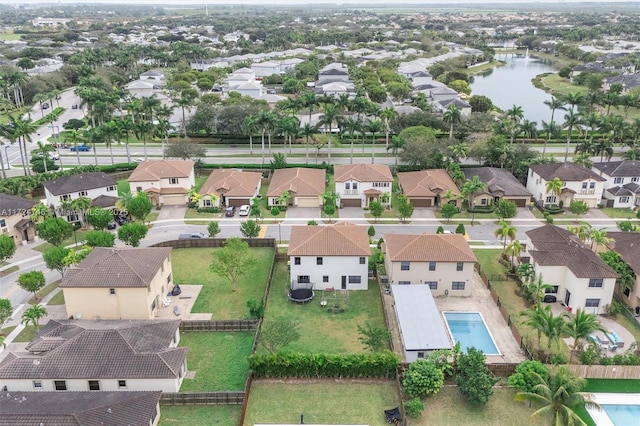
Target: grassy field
x=42 y=293
x=58 y=299
x=618 y=213
x=219 y=415
x=219 y=360
x=79 y=237
x=562 y=86
x=27 y=334
x=342 y=402
x=191 y=266
x=320 y=330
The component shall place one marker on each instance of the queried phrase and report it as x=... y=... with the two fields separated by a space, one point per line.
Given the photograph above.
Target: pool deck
x=600 y=417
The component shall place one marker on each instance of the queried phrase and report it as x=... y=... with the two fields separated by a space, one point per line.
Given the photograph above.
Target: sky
x=302 y=2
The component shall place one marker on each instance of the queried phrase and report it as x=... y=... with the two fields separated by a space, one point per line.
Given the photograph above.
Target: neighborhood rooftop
x=619 y=168
x=299 y=181
x=80 y=182
x=10 y=204
x=341 y=239
x=497 y=180
x=566 y=172
x=152 y=170
x=231 y=183
x=362 y=172
x=428 y=248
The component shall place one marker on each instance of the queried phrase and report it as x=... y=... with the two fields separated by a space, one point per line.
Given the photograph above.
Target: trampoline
x=301 y=292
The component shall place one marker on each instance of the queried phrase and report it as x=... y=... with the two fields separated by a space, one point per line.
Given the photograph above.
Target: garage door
x=237 y=202
x=307 y=202
x=420 y=202
x=351 y=202
x=520 y=202
x=174 y=200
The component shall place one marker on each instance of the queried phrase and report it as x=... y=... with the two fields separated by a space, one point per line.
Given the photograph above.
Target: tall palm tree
x=452 y=116
x=470 y=188
x=580 y=326
x=533 y=319
x=529 y=129
x=570 y=121
x=308 y=131
x=352 y=125
x=598 y=238
x=19 y=131
x=514 y=115
x=44 y=149
x=553 y=104
x=387 y=115
x=505 y=231
x=574 y=99
x=397 y=143
x=554 y=186
x=536 y=290
x=513 y=249
x=309 y=100
x=552 y=327
x=249 y=127
x=81 y=205
x=75 y=137
x=373 y=127
x=327 y=119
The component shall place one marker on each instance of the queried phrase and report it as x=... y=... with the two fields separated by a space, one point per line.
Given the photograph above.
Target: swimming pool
x=470 y=330
x=618 y=409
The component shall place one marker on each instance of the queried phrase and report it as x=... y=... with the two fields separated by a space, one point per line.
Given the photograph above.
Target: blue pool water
x=470 y=330
x=622 y=415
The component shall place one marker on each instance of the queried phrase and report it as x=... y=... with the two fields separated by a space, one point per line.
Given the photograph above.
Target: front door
x=567 y=297
x=344 y=282
x=26 y=234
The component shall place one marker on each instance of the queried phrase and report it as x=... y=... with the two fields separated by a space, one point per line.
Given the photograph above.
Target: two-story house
x=122 y=283
x=622 y=185
x=68 y=188
x=500 y=184
x=444 y=262
x=332 y=256
x=15 y=213
x=627 y=245
x=429 y=188
x=71 y=355
x=579 y=277
x=578 y=184
x=304 y=186
x=230 y=187
x=357 y=185
x=166 y=181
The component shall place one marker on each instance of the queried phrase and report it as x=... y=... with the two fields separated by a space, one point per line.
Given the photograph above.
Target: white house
x=331 y=256
x=248 y=88
x=578 y=183
x=334 y=72
x=264 y=69
x=359 y=184
x=622 y=185
x=69 y=188
x=230 y=187
x=580 y=279
x=166 y=181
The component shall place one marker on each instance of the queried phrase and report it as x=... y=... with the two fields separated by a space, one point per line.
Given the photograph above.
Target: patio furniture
x=603 y=340
x=615 y=339
x=595 y=340
x=176 y=311
x=166 y=301
x=393 y=416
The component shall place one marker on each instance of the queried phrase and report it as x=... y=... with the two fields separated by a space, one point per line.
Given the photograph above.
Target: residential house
x=69 y=188
x=334 y=72
x=230 y=187
x=332 y=256
x=166 y=181
x=122 y=283
x=304 y=186
x=15 y=213
x=444 y=262
x=500 y=185
x=622 y=185
x=578 y=183
x=252 y=89
x=71 y=355
x=428 y=188
x=627 y=245
x=267 y=68
x=357 y=185
x=156 y=76
x=463 y=106
x=80 y=408
x=580 y=279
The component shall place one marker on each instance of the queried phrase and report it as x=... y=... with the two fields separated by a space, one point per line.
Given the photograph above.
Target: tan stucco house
x=305 y=186
x=15 y=219
x=230 y=187
x=166 y=181
x=118 y=283
x=627 y=245
x=359 y=184
x=427 y=188
x=500 y=184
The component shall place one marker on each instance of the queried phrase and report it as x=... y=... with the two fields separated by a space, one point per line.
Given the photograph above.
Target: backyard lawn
x=218 y=359
x=222 y=415
x=191 y=266
x=331 y=402
x=320 y=330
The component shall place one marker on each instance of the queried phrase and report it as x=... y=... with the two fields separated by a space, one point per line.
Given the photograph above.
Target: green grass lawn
x=10 y=270
x=10 y=36
x=43 y=292
x=342 y=402
x=27 y=334
x=194 y=214
x=559 y=85
x=7 y=330
x=619 y=213
x=388 y=213
x=200 y=180
x=320 y=330
x=263 y=203
x=191 y=266
x=219 y=415
x=58 y=299
x=80 y=236
x=219 y=360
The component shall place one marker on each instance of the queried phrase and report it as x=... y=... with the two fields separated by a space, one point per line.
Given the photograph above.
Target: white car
x=244 y=210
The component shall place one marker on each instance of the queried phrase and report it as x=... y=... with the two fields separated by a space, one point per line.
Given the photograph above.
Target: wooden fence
x=202 y=398
x=215 y=242
x=604 y=371
x=219 y=325
x=502 y=370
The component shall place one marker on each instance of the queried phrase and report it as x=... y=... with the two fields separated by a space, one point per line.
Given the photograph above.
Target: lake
x=511 y=85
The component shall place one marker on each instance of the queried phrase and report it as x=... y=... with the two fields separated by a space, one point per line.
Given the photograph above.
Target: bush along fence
x=202 y=398
x=219 y=325
x=215 y=242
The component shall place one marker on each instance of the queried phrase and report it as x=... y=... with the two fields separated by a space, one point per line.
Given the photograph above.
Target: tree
x=376 y=209
x=423 y=378
x=33 y=315
x=100 y=239
x=474 y=379
x=5 y=311
x=405 y=208
x=184 y=149
x=232 y=261
x=278 y=333
x=250 y=228
x=452 y=116
x=99 y=218
x=213 y=229
x=514 y=248
x=469 y=190
x=505 y=231
x=7 y=247
x=81 y=205
x=524 y=380
x=580 y=326
x=139 y=206
x=275 y=211
x=371 y=231
x=448 y=211
x=373 y=337
x=554 y=186
x=55 y=230
x=480 y=103
x=560 y=395
x=552 y=327
x=505 y=209
x=460 y=229
x=132 y=233
x=32 y=281
x=54 y=259
x=578 y=207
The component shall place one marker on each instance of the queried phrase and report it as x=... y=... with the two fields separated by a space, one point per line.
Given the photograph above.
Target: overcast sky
x=302 y=2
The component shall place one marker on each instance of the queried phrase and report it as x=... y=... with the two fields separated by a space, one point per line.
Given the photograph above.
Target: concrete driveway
x=423 y=213
x=303 y=213
x=351 y=213
x=172 y=212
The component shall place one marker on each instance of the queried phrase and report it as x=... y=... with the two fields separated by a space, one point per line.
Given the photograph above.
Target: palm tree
x=514 y=115
x=44 y=149
x=560 y=396
x=533 y=319
x=598 y=238
x=552 y=327
x=249 y=127
x=81 y=205
x=452 y=116
x=514 y=248
x=387 y=115
x=123 y=200
x=33 y=315
x=505 y=231
x=327 y=119
x=554 y=186
x=75 y=137
x=469 y=189
x=183 y=101
x=373 y=127
x=553 y=104
x=574 y=99
x=570 y=121
x=308 y=131
x=537 y=289
x=352 y=125
x=580 y=326
x=529 y=129
x=526 y=273
x=397 y=143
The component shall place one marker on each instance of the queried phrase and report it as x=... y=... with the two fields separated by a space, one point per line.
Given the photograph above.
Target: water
x=470 y=330
x=622 y=415
x=511 y=85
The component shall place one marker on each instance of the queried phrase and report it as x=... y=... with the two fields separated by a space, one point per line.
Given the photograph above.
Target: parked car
x=244 y=210
x=54 y=156
x=112 y=225
x=230 y=211
x=121 y=219
x=192 y=236
x=74 y=106
x=45 y=105
x=81 y=148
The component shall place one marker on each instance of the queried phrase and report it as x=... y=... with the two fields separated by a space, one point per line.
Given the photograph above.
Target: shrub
x=414 y=408
x=423 y=378
x=474 y=379
x=312 y=223
x=460 y=229
x=256 y=309
x=558 y=359
x=208 y=210
x=523 y=379
x=548 y=218
x=481 y=209
x=440 y=230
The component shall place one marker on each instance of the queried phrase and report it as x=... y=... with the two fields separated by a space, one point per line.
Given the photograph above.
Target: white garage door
x=174 y=200
x=308 y=202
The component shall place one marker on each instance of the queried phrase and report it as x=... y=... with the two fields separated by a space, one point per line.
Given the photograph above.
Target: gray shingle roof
x=78 y=408
x=498 y=180
x=567 y=172
x=623 y=168
x=627 y=245
x=10 y=204
x=81 y=182
x=68 y=349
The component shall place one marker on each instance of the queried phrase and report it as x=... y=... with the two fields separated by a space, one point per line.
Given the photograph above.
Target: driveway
x=303 y=213
x=423 y=213
x=172 y=213
x=351 y=213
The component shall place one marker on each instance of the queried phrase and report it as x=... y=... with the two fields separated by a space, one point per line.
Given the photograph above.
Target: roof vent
x=109 y=410
x=36 y=362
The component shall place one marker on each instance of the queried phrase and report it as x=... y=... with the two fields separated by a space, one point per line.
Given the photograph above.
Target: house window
x=618 y=180
x=592 y=185
x=627 y=292
x=168 y=278
x=318 y=261
x=122 y=383
x=552 y=290
x=355 y=279
x=432 y=266
x=111 y=188
x=65 y=197
x=206 y=203
x=354 y=185
x=551 y=199
x=82 y=194
x=363 y=260
x=112 y=291
x=635 y=179
x=296 y=260
x=404 y=282
x=138 y=189
x=94 y=385
x=459 y=266
x=595 y=282
x=457 y=285
x=404 y=266
x=153 y=305
x=592 y=303
x=584 y=185
x=60 y=385
x=173 y=181
x=3 y=224
x=325 y=278
x=420 y=355
x=304 y=279
x=37 y=384
x=483 y=201
x=347 y=186
x=624 y=199
x=433 y=285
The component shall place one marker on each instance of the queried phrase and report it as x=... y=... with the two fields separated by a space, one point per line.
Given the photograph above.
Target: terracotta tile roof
x=624 y=168
x=554 y=246
x=498 y=181
x=86 y=349
x=231 y=183
x=154 y=170
x=80 y=182
x=111 y=267
x=362 y=172
x=173 y=190
x=566 y=172
x=299 y=181
x=627 y=245
x=78 y=408
x=10 y=204
x=426 y=183
x=428 y=248
x=341 y=239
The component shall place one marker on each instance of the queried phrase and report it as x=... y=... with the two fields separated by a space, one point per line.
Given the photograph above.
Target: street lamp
x=279 y=234
x=6 y=154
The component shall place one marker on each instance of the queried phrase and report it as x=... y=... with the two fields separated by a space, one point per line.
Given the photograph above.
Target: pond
x=511 y=85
